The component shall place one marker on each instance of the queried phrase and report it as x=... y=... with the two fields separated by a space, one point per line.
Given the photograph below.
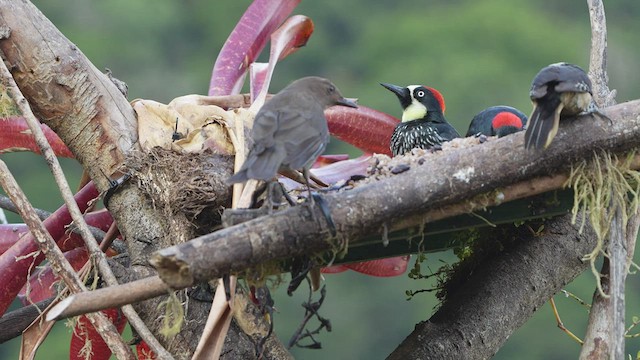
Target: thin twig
x=7 y=204
x=76 y=215
x=634 y=323
x=109 y=297
x=574 y=297
x=561 y=324
x=58 y=262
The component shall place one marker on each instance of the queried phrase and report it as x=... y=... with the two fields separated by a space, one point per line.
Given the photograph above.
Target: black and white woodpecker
x=497 y=121
x=558 y=91
x=423 y=123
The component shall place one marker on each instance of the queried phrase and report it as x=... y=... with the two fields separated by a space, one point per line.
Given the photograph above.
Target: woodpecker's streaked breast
x=409 y=135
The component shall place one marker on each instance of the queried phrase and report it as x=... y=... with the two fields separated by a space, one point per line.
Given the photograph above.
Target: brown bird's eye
x=331 y=89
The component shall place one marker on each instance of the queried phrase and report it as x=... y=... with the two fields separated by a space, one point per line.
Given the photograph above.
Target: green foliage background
x=477 y=53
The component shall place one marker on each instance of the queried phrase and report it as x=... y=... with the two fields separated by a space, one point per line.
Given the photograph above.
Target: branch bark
x=100 y=129
x=59 y=264
x=605 y=336
x=361 y=211
x=501 y=294
x=97 y=123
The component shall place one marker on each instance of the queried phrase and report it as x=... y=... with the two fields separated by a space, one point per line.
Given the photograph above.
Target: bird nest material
x=600 y=186
x=192 y=184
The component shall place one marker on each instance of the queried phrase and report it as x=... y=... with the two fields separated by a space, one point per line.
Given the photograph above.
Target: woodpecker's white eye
x=420 y=93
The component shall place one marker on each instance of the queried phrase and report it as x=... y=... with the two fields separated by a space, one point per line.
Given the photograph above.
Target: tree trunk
x=501 y=294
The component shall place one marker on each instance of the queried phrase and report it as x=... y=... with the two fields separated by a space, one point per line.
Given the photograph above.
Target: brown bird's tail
x=240 y=176
x=543 y=125
x=262 y=165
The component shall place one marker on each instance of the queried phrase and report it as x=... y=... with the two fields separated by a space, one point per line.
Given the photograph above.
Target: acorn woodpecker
x=423 y=123
x=290 y=130
x=558 y=91
x=497 y=121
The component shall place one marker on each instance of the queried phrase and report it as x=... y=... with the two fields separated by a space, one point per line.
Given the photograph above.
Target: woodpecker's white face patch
x=416 y=110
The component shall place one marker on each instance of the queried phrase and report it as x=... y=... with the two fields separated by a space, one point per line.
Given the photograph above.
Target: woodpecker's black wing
x=482 y=123
x=446 y=131
x=564 y=77
x=547 y=93
x=543 y=123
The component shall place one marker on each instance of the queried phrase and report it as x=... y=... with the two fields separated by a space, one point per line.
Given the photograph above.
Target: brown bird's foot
x=603 y=116
x=275 y=193
x=341 y=184
x=325 y=211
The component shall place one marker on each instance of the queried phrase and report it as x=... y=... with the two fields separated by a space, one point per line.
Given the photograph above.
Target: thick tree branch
x=598 y=55
x=100 y=129
x=50 y=70
x=361 y=211
x=90 y=242
x=605 y=336
x=88 y=112
x=501 y=294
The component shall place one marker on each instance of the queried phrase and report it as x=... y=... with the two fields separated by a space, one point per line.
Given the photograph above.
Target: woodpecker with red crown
x=423 y=123
x=558 y=91
x=497 y=121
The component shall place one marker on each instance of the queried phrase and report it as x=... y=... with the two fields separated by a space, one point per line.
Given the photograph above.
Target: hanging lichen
x=173 y=316
x=601 y=185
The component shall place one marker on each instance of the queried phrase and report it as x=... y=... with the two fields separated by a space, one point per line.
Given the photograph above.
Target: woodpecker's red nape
x=506 y=119
x=438 y=96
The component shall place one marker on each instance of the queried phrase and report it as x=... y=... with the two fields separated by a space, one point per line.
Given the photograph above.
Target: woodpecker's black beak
x=346 y=102
x=401 y=92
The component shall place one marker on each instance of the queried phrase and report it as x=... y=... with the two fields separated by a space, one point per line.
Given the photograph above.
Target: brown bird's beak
x=346 y=102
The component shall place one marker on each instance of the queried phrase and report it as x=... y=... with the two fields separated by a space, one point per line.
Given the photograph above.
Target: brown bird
x=290 y=131
x=558 y=91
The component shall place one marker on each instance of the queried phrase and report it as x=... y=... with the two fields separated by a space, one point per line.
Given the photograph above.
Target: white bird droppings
x=464 y=174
